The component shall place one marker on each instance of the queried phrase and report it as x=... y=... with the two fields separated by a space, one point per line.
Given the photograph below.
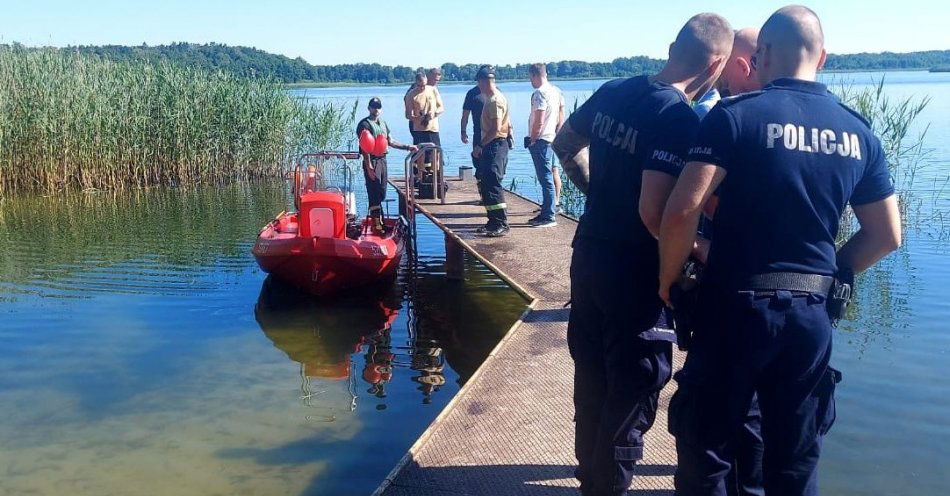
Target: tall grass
x=69 y=120
x=891 y=121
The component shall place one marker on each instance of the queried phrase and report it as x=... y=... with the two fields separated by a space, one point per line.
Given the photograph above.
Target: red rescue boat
x=323 y=248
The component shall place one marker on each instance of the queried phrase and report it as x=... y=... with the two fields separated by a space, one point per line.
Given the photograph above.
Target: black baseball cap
x=375 y=102
x=485 y=72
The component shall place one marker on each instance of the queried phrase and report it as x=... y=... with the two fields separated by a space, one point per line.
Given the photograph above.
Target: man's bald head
x=738 y=76
x=744 y=42
x=795 y=42
x=705 y=38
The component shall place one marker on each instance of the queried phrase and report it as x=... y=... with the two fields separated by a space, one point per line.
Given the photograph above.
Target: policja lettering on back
x=764 y=327
x=823 y=141
x=625 y=135
x=619 y=335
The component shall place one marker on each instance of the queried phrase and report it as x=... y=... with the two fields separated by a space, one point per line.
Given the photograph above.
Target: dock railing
x=438 y=180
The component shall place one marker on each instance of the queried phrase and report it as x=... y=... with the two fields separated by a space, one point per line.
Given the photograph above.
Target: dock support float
x=454 y=259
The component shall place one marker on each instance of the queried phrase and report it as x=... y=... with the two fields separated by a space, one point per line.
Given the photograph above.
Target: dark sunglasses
x=754 y=63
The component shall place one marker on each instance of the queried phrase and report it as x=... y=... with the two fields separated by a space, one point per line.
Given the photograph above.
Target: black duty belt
x=789 y=281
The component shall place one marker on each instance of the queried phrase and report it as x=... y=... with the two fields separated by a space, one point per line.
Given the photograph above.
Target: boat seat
x=322 y=215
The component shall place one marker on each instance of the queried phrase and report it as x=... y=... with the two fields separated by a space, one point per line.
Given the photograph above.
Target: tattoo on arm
x=572 y=150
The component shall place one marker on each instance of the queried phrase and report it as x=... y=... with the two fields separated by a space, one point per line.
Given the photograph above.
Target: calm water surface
x=143 y=352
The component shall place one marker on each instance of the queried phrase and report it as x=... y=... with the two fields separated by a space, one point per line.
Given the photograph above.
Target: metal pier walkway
x=509 y=431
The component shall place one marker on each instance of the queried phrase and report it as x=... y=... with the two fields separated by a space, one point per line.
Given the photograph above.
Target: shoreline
x=353 y=84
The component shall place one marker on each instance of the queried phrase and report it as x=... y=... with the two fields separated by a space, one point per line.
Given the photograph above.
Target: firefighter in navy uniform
x=636 y=133
x=374 y=166
x=788 y=159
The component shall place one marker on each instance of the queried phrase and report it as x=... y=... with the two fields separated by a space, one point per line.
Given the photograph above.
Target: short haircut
x=435 y=70
x=420 y=76
x=794 y=28
x=704 y=37
x=538 y=69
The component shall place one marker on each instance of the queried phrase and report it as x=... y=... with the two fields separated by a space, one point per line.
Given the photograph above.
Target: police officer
x=745 y=476
x=374 y=166
x=788 y=159
x=624 y=148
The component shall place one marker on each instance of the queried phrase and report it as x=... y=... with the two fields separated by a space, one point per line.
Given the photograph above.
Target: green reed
x=68 y=120
x=891 y=120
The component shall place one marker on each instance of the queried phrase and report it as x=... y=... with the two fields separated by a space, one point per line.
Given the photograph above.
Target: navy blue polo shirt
x=633 y=125
x=794 y=157
x=473 y=103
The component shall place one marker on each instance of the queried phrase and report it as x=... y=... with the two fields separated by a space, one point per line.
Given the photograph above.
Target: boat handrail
x=316 y=175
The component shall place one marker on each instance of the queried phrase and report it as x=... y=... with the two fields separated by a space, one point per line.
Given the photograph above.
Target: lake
x=143 y=352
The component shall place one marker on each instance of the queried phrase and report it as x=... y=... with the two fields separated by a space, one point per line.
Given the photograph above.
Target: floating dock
x=510 y=429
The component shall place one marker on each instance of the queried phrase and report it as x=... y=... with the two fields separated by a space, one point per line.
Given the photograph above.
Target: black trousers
x=773 y=346
x=490 y=173
x=622 y=359
x=376 y=189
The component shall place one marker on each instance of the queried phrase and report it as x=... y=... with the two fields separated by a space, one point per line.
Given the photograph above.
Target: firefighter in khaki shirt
x=492 y=153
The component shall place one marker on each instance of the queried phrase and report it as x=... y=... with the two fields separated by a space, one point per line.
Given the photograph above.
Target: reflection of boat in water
x=322 y=247
x=322 y=335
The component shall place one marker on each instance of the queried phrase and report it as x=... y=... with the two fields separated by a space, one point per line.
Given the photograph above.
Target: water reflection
x=325 y=336
x=142 y=351
x=322 y=335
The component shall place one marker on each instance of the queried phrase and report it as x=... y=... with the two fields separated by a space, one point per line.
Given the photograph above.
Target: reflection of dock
x=510 y=429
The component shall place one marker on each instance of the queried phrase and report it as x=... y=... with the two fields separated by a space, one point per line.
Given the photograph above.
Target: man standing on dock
x=624 y=148
x=544 y=121
x=374 y=166
x=472 y=106
x=738 y=77
x=789 y=159
x=423 y=107
x=492 y=153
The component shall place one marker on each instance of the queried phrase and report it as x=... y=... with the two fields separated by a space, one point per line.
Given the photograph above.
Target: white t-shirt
x=548 y=99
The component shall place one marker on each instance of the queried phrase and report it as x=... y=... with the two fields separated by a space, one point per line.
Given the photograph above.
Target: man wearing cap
x=492 y=153
x=374 y=166
x=472 y=106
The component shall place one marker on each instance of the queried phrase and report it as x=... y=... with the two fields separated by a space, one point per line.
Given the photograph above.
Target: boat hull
x=324 y=266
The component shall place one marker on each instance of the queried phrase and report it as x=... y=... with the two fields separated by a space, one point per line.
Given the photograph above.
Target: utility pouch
x=840 y=296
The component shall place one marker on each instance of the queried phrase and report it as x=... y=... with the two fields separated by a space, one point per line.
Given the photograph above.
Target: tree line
x=252 y=62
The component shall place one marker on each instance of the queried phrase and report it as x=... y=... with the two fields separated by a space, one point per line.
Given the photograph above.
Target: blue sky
x=417 y=33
